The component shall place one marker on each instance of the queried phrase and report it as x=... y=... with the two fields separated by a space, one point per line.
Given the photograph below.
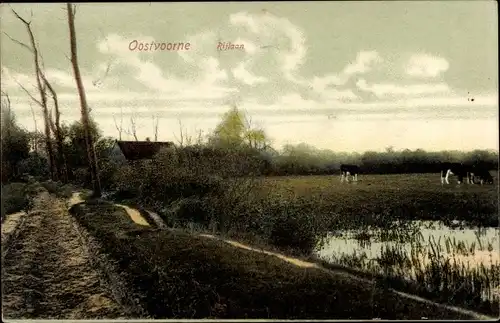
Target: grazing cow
x=458 y=169
x=482 y=174
x=346 y=170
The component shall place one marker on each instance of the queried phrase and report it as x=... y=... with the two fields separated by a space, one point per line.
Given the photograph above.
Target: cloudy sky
x=347 y=76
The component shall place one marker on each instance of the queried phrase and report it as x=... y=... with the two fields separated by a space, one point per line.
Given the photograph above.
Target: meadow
x=440 y=242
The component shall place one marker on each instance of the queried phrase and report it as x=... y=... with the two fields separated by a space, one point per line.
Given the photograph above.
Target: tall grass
x=435 y=270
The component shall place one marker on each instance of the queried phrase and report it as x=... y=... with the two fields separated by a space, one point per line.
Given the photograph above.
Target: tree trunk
x=43 y=96
x=83 y=104
x=61 y=156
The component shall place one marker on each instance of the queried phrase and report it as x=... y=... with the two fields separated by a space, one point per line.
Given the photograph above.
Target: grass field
x=389 y=212
x=293 y=214
x=380 y=199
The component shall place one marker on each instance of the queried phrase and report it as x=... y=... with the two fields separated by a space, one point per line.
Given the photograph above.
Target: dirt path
x=134 y=214
x=47 y=274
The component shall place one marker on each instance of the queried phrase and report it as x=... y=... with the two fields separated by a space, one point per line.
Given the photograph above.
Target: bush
x=107 y=171
x=190 y=210
x=82 y=177
x=14 y=198
x=34 y=165
x=148 y=182
x=51 y=186
x=294 y=229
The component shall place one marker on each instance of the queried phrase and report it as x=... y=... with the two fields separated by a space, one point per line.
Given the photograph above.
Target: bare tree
x=184 y=139
x=56 y=129
x=35 y=141
x=41 y=89
x=100 y=80
x=119 y=127
x=132 y=131
x=155 y=126
x=6 y=112
x=91 y=155
x=199 y=138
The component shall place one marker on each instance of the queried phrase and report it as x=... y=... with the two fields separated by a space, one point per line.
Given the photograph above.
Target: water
x=468 y=247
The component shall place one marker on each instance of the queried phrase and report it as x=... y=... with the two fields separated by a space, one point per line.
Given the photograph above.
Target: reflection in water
x=432 y=245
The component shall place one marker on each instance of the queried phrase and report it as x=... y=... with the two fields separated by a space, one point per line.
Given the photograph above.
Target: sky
x=345 y=76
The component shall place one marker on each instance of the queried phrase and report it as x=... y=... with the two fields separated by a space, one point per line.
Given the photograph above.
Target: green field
x=379 y=199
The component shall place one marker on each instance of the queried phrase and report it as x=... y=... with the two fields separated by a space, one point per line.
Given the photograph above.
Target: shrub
x=51 y=186
x=34 y=165
x=14 y=198
x=107 y=171
x=190 y=210
x=293 y=233
x=294 y=227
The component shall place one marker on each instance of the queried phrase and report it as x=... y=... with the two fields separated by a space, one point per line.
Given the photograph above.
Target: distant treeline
x=304 y=160
x=234 y=149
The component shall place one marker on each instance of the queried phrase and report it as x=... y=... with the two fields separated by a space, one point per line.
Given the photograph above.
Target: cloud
x=66 y=80
x=275 y=32
x=319 y=84
x=388 y=89
x=426 y=66
x=201 y=43
x=9 y=79
x=149 y=74
x=364 y=63
x=212 y=72
x=341 y=95
x=249 y=46
x=247 y=20
x=241 y=73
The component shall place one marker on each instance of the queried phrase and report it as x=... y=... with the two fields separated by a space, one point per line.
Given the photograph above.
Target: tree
x=236 y=131
x=91 y=155
x=41 y=86
x=229 y=132
x=119 y=127
x=75 y=144
x=56 y=129
x=132 y=131
x=156 y=122
x=15 y=141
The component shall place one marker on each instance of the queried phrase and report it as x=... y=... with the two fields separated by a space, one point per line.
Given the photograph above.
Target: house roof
x=135 y=150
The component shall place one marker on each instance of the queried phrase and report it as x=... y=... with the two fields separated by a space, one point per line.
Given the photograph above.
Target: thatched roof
x=135 y=150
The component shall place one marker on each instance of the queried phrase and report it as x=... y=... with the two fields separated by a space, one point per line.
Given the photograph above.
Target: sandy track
x=47 y=274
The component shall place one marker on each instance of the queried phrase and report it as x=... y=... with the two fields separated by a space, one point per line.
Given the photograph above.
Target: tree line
x=235 y=145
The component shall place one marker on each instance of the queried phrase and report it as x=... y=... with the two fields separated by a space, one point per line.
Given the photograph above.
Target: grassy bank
x=178 y=275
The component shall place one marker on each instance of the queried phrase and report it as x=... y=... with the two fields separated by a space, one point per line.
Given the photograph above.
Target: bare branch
x=21 y=18
x=29 y=94
x=34 y=117
x=5 y=94
x=119 y=128
x=133 y=128
x=180 y=140
x=155 y=127
x=19 y=42
x=51 y=123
